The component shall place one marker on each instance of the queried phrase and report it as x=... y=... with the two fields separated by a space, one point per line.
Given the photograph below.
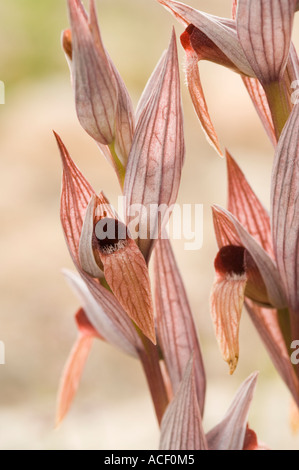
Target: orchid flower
x=246 y=272
x=267 y=77
x=111 y=255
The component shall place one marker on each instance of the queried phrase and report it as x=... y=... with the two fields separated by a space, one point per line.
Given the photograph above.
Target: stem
x=118 y=166
x=284 y=320
x=279 y=104
x=149 y=357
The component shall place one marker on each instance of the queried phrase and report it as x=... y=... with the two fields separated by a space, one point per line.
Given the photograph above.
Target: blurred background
x=112 y=409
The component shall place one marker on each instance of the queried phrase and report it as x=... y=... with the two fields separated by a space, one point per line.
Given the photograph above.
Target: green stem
x=284 y=320
x=279 y=104
x=118 y=166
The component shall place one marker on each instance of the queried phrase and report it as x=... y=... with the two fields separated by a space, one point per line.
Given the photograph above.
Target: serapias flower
x=267 y=76
x=246 y=273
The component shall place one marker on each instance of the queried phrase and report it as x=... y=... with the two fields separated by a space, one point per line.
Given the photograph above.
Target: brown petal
x=175 y=325
x=181 y=427
x=230 y=433
x=155 y=162
x=265 y=29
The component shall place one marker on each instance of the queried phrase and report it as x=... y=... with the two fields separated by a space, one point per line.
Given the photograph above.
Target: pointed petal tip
x=233 y=364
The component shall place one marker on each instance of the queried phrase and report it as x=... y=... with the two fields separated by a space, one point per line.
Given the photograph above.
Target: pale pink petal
x=181 y=427
x=94 y=83
x=265 y=29
x=97 y=316
x=230 y=433
x=175 y=326
x=155 y=162
x=285 y=209
x=150 y=86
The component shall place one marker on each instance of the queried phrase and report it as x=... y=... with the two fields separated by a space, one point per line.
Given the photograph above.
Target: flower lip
x=231 y=260
x=110 y=234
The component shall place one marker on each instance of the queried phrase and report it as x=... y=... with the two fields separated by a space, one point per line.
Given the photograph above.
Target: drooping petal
x=265 y=29
x=246 y=207
x=75 y=195
x=196 y=92
x=285 y=209
x=155 y=162
x=261 y=258
x=227 y=300
x=267 y=324
x=124 y=267
x=181 y=427
x=222 y=32
x=94 y=83
x=175 y=325
x=97 y=316
x=74 y=366
x=229 y=434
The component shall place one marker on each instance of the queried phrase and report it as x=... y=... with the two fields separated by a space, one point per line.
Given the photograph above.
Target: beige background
x=112 y=408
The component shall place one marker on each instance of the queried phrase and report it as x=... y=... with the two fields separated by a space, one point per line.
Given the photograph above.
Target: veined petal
x=75 y=195
x=285 y=208
x=246 y=207
x=124 y=267
x=260 y=102
x=181 y=427
x=227 y=300
x=94 y=83
x=150 y=86
x=155 y=162
x=74 y=366
x=222 y=32
x=230 y=433
x=97 y=316
x=175 y=325
x=265 y=29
